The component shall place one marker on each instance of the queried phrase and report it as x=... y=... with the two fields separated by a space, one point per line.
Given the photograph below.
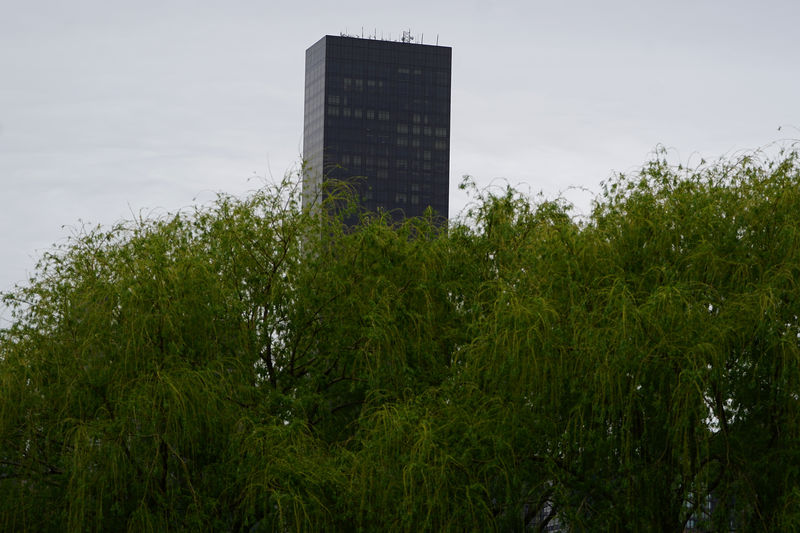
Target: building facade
x=377 y=113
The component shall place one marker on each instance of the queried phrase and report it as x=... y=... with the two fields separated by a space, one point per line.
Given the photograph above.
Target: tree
x=250 y=366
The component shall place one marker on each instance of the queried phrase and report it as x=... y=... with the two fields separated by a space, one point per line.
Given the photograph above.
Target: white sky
x=112 y=108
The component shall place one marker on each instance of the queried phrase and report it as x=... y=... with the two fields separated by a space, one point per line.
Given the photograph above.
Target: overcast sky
x=111 y=108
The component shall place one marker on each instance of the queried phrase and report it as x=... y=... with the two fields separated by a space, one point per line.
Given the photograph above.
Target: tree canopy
x=250 y=366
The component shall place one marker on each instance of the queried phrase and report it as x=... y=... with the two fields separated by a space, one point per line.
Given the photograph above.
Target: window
x=441 y=145
x=402 y=141
x=383 y=115
x=333 y=99
x=441 y=132
x=402 y=128
x=370 y=114
x=357 y=112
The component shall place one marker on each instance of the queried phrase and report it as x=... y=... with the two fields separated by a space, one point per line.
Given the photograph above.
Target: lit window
x=402 y=128
x=357 y=112
x=383 y=115
x=402 y=141
x=370 y=114
x=333 y=99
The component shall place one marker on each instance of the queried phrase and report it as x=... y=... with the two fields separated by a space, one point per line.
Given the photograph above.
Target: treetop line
x=255 y=366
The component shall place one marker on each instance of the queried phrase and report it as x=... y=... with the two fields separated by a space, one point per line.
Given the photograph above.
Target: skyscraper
x=379 y=112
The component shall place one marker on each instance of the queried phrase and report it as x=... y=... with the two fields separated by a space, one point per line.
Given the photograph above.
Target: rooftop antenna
x=437 y=39
x=422 y=38
x=407 y=37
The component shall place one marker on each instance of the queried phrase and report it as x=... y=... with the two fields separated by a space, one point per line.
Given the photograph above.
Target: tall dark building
x=379 y=112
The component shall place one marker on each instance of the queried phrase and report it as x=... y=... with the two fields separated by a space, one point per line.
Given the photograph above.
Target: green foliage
x=249 y=366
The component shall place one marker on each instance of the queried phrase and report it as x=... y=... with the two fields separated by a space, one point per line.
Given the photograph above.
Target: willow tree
x=654 y=348
x=250 y=366
x=208 y=369
x=132 y=354
x=701 y=331
x=634 y=370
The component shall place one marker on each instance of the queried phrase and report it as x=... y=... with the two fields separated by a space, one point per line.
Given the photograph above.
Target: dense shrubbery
x=248 y=366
